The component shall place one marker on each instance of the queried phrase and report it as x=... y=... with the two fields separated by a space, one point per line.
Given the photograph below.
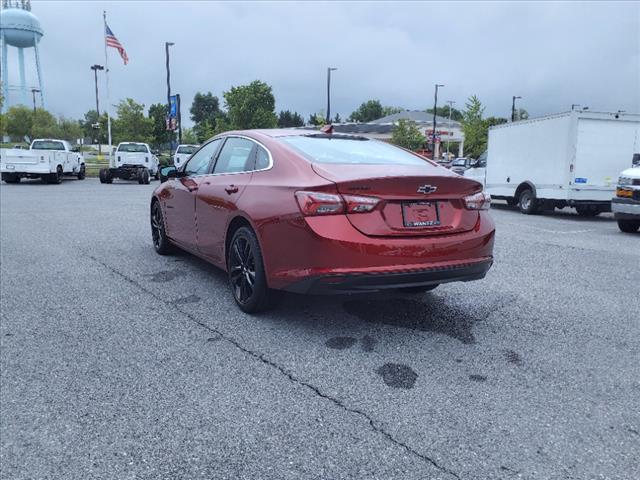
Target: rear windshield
x=355 y=150
x=47 y=145
x=187 y=149
x=132 y=147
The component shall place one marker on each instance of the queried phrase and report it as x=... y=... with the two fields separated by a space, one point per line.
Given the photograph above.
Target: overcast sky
x=551 y=54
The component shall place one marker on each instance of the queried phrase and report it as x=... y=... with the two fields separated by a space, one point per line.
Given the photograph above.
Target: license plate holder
x=423 y=214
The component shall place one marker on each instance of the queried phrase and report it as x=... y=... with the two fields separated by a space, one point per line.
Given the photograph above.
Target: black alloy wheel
x=246 y=273
x=161 y=243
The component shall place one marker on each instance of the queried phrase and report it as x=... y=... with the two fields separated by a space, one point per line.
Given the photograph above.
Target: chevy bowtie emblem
x=426 y=189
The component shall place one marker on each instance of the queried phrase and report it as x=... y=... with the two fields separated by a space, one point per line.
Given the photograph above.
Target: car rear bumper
x=355 y=282
x=25 y=168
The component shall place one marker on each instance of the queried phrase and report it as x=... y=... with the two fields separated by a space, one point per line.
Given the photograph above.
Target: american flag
x=112 y=41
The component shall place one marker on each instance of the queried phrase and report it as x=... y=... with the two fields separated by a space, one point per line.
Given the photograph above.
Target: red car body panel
x=301 y=253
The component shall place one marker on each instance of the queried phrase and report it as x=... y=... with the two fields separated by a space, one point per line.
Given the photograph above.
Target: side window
x=236 y=156
x=262 y=158
x=198 y=164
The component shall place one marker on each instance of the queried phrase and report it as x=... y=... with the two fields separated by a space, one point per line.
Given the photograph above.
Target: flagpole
x=106 y=70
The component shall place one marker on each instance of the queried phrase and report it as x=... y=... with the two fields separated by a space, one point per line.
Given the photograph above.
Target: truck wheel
x=527 y=202
x=588 y=211
x=82 y=173
x=105 y=176
x=143 y=176
x=56 y=177
x=10 y=178
x=629 y=226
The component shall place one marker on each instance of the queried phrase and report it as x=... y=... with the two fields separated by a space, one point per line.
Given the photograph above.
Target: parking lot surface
x=118 y=363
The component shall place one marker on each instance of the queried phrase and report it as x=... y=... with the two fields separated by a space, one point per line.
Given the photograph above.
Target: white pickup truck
x=131 y=161
x=626 y=204
x=48 y=159
x=183 y=152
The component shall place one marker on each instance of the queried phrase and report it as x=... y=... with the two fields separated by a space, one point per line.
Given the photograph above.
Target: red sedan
x=313 y=212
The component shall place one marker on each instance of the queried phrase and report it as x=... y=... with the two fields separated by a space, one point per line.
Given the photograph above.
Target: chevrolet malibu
x=317 y=212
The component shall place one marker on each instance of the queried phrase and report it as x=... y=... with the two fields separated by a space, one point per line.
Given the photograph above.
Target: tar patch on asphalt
x=165 y=275
x=434 y=315
x=368 y=343
x=184 y=300
x=477 y=378
x=397 y=375
x=513 y=357
x=340 y=343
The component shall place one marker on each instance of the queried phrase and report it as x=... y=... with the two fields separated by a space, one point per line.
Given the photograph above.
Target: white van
x=183 y=152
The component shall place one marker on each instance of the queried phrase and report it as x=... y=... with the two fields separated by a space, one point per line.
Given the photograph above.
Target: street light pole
x=513 y=108
x=435 y=109
x=166 y=51
x=329 y=70
x=33 y=92
x=95 y=69
x=450 y=102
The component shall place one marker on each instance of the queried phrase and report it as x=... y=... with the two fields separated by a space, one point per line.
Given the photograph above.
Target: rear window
x=132 y=147
x=187 y=149
x=47 y=145
x=346 y=150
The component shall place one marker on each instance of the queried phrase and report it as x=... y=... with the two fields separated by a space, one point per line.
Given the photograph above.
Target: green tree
x=368 y=111
x=100 y=134
x=251 y=106
x=131 y=124
x=317 y=119
x=443 y=111
x=69 y=129
x=18 y=122
x=386 y=111
x=491 y=121
x=522 y=114
x=44 y=125
x=474 y=128
x=287 y=119
x=337 y=118
x=159 y=133
x=189 y=136
x=205 y=107
x=406 y=134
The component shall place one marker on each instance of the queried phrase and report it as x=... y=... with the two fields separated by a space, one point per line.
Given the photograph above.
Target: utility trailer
x=569 y=159
x=131 y=161
x=48 y=159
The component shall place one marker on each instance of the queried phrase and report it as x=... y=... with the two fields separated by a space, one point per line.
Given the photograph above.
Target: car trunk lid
x=415 y=200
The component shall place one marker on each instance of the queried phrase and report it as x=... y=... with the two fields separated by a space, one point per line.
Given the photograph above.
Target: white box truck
x=570 y=159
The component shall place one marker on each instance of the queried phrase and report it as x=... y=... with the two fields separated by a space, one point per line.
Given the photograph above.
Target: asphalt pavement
x=118 y=363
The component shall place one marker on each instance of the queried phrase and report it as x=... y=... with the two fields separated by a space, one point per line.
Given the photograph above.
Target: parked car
x=49 y=159
x=321 y=213
x=478 y=169
x=131 y=161
x=460 y=164
x=626 y=204
x=183 y=152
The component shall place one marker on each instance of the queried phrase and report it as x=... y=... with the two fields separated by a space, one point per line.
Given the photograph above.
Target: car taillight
x=478 y=201
x=357 y=204
x=319 y=203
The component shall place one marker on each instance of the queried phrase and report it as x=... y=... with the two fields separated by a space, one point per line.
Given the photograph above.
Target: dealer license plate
x=420 y=214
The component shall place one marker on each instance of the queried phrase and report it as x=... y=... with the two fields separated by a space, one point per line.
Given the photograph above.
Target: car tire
x=421 y=289
x=82 y=173
x=527 y=202
x=161 y=243
x=10 y=178
x=244 y=263
x=629 y=226
x=104 y=175
x=588 y=211
x=56 y=177
x=143 y=176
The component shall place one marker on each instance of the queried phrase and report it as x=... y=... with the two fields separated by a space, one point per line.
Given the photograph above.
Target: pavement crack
x=292 y=378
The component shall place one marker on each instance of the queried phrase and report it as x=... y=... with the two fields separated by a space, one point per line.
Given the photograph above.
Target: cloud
x=551 y=54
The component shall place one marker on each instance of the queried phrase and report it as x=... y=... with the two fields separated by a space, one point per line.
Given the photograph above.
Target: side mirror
x=170 y=172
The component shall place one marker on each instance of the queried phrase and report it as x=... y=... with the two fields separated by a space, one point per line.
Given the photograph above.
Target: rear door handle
x=231 y=189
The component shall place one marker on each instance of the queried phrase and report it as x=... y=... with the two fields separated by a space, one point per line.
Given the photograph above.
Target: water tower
x=21 y=29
